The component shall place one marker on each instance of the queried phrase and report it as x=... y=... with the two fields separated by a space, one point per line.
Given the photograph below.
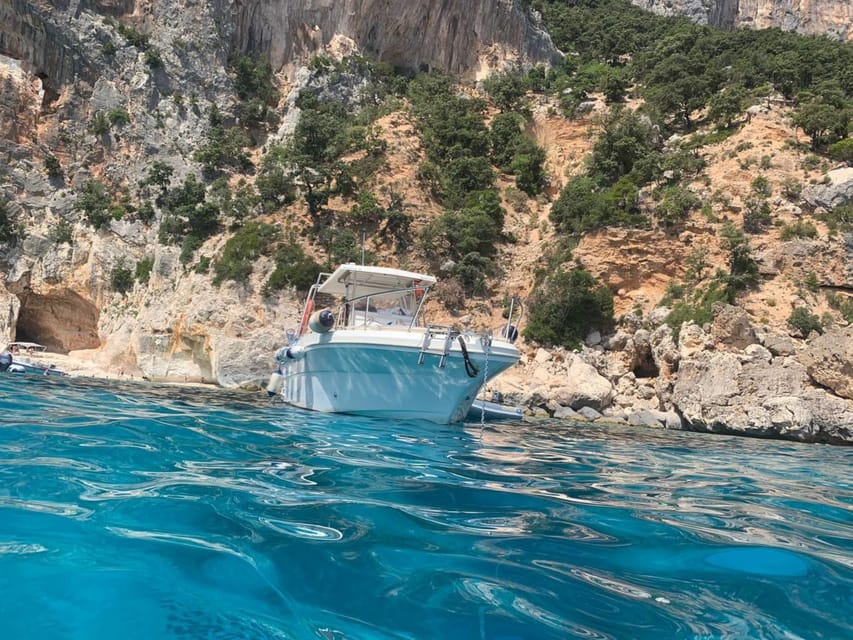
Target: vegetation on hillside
x=324 y=182
x=687 y=76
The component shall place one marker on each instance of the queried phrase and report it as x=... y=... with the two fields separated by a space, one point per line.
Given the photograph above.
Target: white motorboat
x=369 y=352
x=8 y=364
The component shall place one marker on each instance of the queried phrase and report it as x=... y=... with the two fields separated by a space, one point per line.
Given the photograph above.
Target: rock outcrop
x=731 y=378
x=829 y=361
x=421 y=35
x=836 y=191
x=832 y=18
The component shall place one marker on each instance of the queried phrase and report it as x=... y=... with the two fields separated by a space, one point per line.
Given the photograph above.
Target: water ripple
x=143 y=511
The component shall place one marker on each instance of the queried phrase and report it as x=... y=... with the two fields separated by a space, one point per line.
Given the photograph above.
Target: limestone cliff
x=832 y=18
x=62 y=41
x=441 y=34
x=64 y=62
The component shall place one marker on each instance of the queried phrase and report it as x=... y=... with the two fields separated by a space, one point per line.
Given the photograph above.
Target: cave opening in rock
x=49 y=94
x=644 y=365
x=62 y=321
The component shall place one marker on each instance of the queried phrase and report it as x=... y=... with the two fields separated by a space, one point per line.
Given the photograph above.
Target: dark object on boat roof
x=5 y=361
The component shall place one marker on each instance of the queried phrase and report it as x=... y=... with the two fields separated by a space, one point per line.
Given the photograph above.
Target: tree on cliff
x=566 y=307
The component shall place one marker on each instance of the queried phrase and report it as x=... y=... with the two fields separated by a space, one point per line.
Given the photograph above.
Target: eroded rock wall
x=832 y=18
x=426 y=34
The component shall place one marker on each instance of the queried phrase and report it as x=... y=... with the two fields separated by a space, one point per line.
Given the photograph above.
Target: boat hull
x=390 y=374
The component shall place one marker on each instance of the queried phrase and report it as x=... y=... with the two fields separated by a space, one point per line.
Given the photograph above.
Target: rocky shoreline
x=726 y=377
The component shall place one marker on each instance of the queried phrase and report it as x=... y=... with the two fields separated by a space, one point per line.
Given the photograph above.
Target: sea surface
x=152 y=512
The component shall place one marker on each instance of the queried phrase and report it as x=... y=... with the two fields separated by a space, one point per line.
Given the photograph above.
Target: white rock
x=584 y=387
x=542 y=356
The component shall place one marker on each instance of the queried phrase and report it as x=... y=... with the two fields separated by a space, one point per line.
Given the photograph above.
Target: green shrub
x=811 y=282
x=242 y=250
x=697 y=308
x=366 y=212
x=675 y=205
x=743 y=269
x=343 y=245
x=462 y=176
x=292 y=268
x=253 y=79
x=504 y=136
x=528 y=167
x=476 y=228
x=842 y=150
x=275 y=183
x=627 y=146
x=121 y=277
x=397 y=222
x=143 y=269
x=52 y=166
x=471 y=273
x=134 y=37
x=62 y=233
x=798 y=229
x=839 y=219
x=507 y=90
x=804 y=321
x=146 y=214
x=583 y=206
x=118 y=117
x=842 y=304
x=566 y=307
x=756 y=215
x=153 y=58
x=791 y=187
x=203 y=265
x=99 y=124
x=223 y=149
x=761 y=186
x=187 y=213
x=95 y=203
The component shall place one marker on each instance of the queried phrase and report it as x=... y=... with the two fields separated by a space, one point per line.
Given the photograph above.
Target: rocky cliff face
x=64 y=61
x=63 y=41
x=435 y=34
x=832 y=18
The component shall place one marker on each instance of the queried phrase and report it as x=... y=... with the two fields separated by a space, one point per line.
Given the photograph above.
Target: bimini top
x=354 y=279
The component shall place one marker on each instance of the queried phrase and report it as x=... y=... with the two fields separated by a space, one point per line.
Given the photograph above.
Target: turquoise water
x=132 y=512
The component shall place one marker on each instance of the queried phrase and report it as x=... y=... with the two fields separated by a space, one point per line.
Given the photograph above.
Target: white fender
x=275 y=383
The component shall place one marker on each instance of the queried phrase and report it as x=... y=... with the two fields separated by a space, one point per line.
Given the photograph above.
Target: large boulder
x=829 y=360
x=836 y=191
x=732 y=327
x=583 y=387
x=727 y=393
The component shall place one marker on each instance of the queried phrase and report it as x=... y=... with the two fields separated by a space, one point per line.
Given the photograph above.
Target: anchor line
x=470 y=368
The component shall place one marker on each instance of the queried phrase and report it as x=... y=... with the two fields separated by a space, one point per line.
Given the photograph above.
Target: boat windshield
x=376 y=296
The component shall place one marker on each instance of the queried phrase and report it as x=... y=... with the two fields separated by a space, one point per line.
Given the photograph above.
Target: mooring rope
x=470 y=368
